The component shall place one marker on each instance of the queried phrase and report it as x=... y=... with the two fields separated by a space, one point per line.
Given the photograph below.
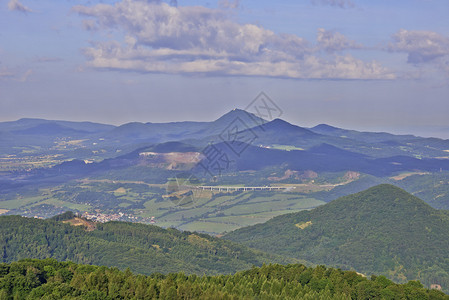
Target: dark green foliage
x=142 y=248
x=64 y=216
x=432 y=188
x=31 y=279
x=382 y=230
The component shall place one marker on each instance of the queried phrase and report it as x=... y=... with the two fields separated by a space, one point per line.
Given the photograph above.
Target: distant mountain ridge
x=134 y=135
x=67 y=146
x=29 y=123
x=50 y=129
x=358 y=135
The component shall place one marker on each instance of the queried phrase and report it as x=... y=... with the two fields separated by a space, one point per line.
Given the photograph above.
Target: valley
x=102 y=170
x=275 y=195
x=224 y=150
x=212 y=212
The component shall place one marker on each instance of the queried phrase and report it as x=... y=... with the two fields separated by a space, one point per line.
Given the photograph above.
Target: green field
x=21 y=202
x=210 y=212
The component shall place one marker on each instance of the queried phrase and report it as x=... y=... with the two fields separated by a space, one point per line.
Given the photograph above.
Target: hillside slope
x=49 y=279
x=143 y=248
x=381 y=230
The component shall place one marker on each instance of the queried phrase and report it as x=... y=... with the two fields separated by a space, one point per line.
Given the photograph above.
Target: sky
x=357 y=64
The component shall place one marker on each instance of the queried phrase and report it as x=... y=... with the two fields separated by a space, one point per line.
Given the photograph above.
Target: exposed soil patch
x=89 y=225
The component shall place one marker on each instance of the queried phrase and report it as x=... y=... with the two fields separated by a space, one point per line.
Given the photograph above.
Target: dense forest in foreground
x=50 y=279
x=143 y=248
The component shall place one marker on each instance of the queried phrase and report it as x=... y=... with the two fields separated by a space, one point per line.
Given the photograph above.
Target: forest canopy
x=50 y=279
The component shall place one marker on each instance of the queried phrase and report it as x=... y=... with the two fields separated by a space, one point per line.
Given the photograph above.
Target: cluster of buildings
x=103 y=217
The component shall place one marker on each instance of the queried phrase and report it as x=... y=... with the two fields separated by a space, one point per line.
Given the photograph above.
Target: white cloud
x=89 y=25
x=424 y=48
x=331 y=41
x=17 y=6
x=421 y=46
x=113 y=56
x=168 y=39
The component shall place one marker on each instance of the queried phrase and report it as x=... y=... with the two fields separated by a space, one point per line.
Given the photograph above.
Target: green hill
x=49 y=279
x=381 y=230
x=143 y=248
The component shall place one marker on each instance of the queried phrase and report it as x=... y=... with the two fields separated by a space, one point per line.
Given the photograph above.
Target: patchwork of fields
x=209 y=211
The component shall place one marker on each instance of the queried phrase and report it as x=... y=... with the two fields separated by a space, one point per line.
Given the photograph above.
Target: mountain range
x=45 y=167
x=322 y=148
x=15 y=136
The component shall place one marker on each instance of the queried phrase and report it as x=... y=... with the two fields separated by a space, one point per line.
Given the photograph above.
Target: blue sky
x=370 y=65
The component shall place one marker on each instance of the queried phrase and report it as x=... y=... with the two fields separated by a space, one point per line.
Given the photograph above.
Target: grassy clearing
x=229 y=212
x=275 y=197
x=270 y=206
x=70 y=205
x=90 y=226
x=307 y=203
x=303 y=225
x=209 y=227
x=120 y=191
x=244 y=220
x=20 y=202
x=186 y=214
x=407 y=174
x=167 y=224
x=220 y=200
x=230 y=200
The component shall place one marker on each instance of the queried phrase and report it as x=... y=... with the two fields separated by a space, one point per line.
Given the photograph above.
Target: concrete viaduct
x=239 y=188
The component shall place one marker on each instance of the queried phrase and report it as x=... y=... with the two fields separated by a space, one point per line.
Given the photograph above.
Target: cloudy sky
x=360 y=64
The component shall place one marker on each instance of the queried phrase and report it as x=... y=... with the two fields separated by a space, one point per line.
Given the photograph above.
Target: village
x=103 y=218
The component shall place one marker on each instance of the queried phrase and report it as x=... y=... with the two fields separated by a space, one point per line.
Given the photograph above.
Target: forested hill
x=49 y=279
x=143 y=248
x=381 y=230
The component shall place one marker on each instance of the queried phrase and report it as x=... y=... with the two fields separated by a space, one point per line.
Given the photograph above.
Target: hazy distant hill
x=174 y=131
x=86 y=140
x=321 y=158
x=50 y=129
x=143 y=248
x=381 y=230
x=371 y=137
x=328 y=158
x=280 y=132
x=38 y=153
x=28 y=123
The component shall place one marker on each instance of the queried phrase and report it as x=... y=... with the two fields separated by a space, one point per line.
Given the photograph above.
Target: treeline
x=143 y=248
x=50 y=279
